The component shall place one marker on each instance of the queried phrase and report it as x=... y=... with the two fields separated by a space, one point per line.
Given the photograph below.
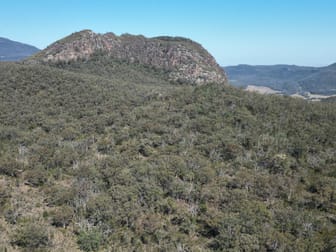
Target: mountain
x=182 y=59
x=14 y=51
x=102 y=154
x=323 y=81
x=289 y=79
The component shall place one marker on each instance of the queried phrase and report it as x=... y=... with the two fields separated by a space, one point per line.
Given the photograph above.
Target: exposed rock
x=183 y=59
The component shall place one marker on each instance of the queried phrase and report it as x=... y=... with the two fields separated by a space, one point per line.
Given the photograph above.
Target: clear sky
x=299 y=32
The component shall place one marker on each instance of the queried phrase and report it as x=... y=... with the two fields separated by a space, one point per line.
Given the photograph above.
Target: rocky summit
x=183 y=59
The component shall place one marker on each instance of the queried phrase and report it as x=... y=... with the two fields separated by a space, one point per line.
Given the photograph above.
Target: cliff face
x=183 y=59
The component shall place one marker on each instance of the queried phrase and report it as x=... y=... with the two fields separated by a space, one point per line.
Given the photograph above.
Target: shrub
x=36 y=177
x=4 y=196
x=10 y=167
x=89 y=240
x=57 y=196
x=31 y=236
x=62 y=217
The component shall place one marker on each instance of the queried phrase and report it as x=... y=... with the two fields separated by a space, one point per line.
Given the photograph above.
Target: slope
x=95 y=163
x=321 y=82
x=14 y=51
x=182 y=60
x=286 y=78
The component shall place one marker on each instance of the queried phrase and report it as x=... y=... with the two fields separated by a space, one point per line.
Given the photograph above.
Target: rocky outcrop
x=184 y=60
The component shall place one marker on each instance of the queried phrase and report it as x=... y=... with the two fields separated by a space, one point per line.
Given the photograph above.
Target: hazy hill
x=323 y=81
x=14 y=51
x=182 y=59
x=286 y=78
x=103 y=154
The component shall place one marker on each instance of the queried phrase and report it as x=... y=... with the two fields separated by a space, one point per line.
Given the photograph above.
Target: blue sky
x=235 y=31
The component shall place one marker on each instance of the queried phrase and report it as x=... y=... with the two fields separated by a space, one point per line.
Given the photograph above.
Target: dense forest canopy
x=112 y=157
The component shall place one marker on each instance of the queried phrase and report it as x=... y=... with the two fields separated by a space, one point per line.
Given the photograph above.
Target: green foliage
x=147 y=165
x=31 y=236
x=4 y=196
x=89 y=241
x=58 y=196
x=62 y=217
x=10 y=166
x=36 y=177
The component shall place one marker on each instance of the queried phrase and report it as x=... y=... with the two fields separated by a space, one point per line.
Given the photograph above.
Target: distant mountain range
x=14 y=51
x=288 y=79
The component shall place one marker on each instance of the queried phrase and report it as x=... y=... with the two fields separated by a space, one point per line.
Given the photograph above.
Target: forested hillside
x=97 y=160
x=288 y=79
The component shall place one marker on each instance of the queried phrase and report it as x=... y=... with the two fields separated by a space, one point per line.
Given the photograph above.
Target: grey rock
x=184 y=60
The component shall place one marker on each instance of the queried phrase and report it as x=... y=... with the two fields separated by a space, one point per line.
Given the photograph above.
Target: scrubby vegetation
x=98 y=161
